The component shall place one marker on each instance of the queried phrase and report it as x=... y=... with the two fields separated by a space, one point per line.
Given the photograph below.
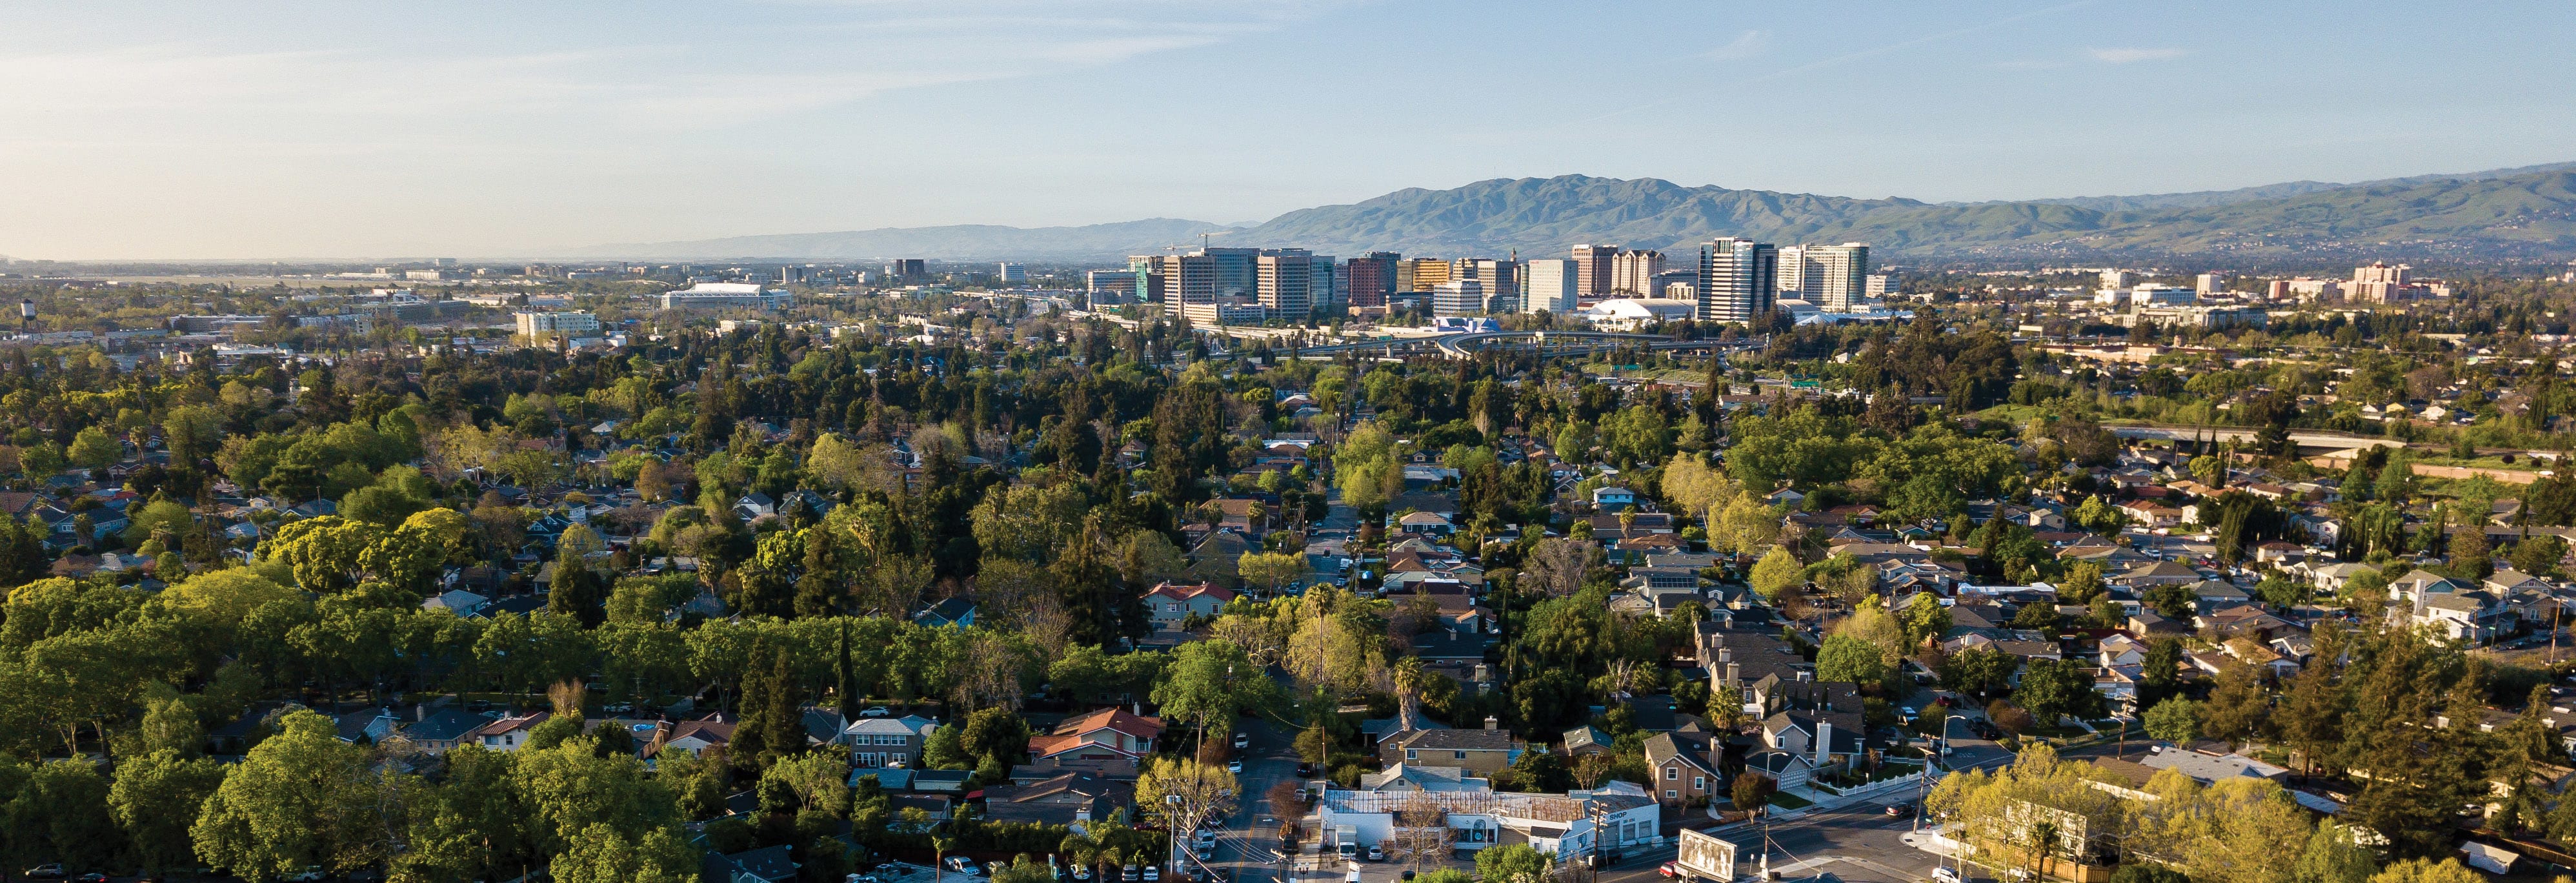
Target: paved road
x=1248 y=847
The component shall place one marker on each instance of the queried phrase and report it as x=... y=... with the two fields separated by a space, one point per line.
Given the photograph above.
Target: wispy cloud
x=2128 y=55
x=654 y=83
x=1748 y=45
x=1927 y=39
x=2025 y=64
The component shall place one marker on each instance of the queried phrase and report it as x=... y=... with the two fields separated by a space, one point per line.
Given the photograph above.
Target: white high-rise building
x=1458 y=297
x=1792 y=279
x=535 y=325
x=1592 y=268
x=1736 y=279
x=1833 y=277
x=1293 y=282
x=2209 y=283
x=2115 y=278
x=1551 y=287
x=1633 y=272
x=1880 y=285
x=1012 y=273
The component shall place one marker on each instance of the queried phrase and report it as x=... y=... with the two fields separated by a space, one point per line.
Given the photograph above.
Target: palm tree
x=939 y=846
x=1409 y=681
x=1090 y=848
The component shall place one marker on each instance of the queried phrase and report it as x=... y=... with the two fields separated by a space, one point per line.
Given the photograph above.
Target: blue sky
x=390 y=130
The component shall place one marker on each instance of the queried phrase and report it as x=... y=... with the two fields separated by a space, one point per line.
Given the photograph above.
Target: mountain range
x=2526 y=214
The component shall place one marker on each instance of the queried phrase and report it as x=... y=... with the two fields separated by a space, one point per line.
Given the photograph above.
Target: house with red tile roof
x=506 y=734
x=1108 y=742
x=1170 y=603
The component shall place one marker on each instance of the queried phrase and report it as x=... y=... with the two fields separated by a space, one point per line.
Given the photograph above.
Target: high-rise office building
x=1879 y=286
x=1235 y=273
x=1371 y=278
x=1792 y=281
x=1292 y=283
x=1332 y=287
x=1502 y=278
x=1833 y=277
x=2115 y=279
x=903 y=270
x=1551 y=287
x=1149 y=278
x=2379 y=283
x=1116 y=286
x=537 y=325
x=2207 y=284
x=1188 y=284
x=1633 y=272
x=1592 y=268
x=1458 y=297
x=1011 y=274
x=1421 y=274
x=1736 y=279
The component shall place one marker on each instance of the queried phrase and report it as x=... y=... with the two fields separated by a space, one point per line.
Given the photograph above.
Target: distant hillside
x=2519 y=214
x=958 y=242
x=2207 y=198
x=2529 y=215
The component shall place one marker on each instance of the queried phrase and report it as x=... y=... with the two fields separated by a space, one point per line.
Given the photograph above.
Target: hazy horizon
x=146 y=131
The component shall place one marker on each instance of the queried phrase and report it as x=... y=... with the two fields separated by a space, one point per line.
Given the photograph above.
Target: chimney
x=1492 y=724
x=1734 y=675
x=1726 y=654
x=1824 y=741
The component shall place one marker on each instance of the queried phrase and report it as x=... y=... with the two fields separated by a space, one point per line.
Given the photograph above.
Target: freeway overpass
x=2310 y=441
x=1544 y=343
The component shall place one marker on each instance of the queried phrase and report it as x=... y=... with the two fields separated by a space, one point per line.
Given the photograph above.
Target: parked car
x=958 y=864
x=1669 y=869
x=310 y=874
x=1242 y=740
x=1895 y=810
x=91 y=877
x=46 y=872
x=1198 y=874
x=1234 y=766
x=1945 y=875
x=874 y=711
x=1153 y=873
x=1206 y=838
x=1082 y=874
x=1305 y=770
x=1131 y=874
x=1376 y=853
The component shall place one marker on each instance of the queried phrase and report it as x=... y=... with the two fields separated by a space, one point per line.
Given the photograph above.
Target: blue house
x=1613 y=499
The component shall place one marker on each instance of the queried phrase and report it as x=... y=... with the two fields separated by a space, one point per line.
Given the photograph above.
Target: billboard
x=1705 y=857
